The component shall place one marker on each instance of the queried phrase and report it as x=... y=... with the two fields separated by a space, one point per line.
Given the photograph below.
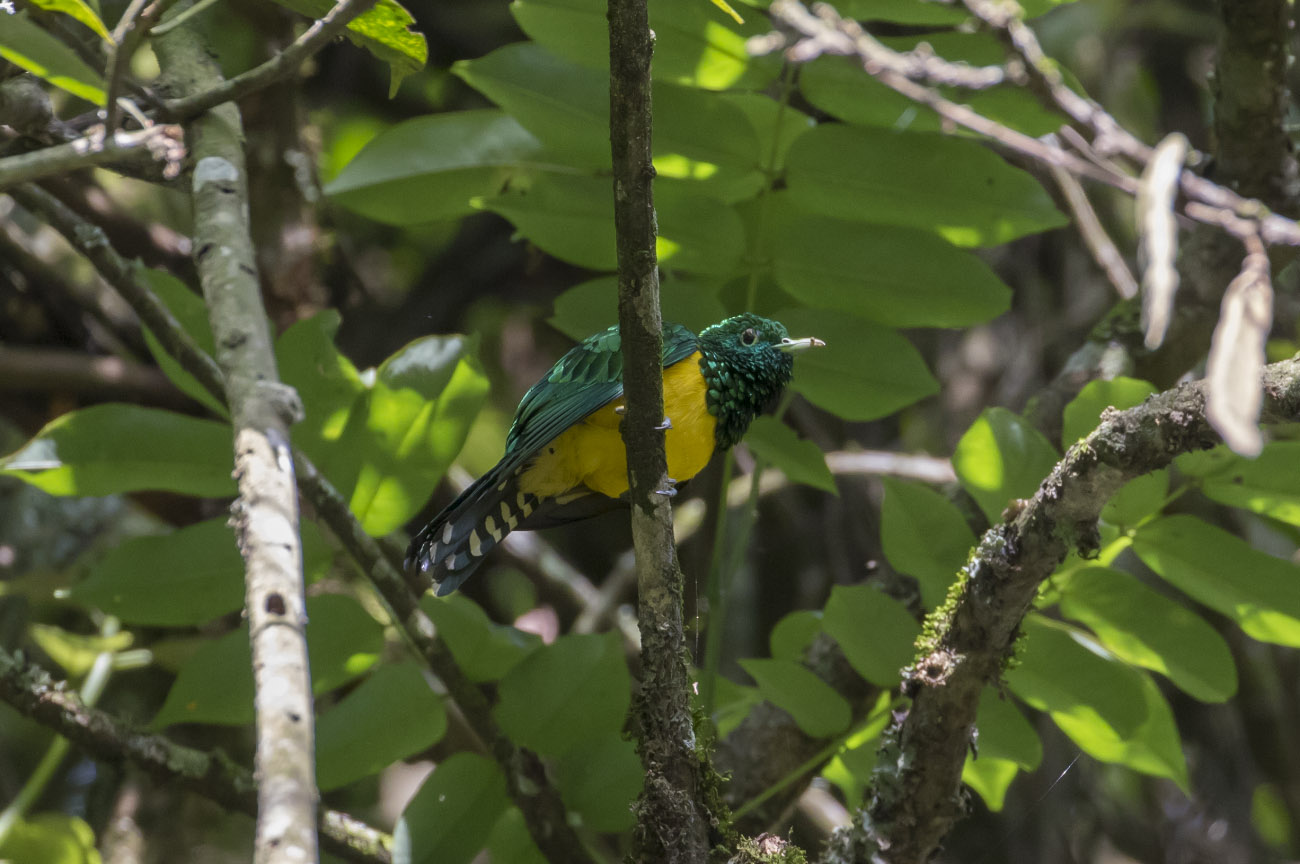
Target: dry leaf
x=1159 y=235
x=1232 y=373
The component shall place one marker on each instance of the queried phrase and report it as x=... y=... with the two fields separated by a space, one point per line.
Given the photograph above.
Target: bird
x=564 y=456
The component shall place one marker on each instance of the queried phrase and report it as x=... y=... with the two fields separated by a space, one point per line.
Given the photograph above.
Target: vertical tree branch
x=266 y=512
x=671 y=823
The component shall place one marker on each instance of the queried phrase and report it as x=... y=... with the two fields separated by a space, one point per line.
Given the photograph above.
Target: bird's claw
x=671 y=490
x=665 y=425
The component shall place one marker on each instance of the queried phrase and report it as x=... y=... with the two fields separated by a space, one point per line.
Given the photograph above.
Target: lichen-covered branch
x=672 y=821
x=33 y=693
x=266 y=511
x=916 y=786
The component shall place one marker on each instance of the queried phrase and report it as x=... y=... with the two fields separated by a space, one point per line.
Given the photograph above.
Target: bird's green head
x=745 y=360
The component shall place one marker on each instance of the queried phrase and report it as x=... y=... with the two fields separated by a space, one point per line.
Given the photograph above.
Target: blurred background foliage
x=473 y=200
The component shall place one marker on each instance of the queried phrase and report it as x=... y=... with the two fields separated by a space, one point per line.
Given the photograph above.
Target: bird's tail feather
x=452 y=546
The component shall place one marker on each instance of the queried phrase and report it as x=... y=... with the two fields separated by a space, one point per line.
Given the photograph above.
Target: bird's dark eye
x=749 y=337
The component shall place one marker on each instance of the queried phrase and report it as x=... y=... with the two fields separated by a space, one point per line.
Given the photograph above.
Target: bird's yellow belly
x=591 y=453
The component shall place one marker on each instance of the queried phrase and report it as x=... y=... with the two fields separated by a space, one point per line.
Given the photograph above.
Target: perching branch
x=266 y=511
x=33 y=693
x=283 y=64
x=672 y=819
x=162 y=143
x=916 y=785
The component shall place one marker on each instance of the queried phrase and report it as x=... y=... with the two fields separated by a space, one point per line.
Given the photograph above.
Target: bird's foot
x=664 y=426
x=671 y=490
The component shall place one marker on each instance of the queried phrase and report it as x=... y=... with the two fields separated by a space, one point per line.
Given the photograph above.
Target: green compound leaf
x=114 y=448
x=885 y=177
x=1149 y=630
x=391 y=715
x=566 y=694
x=875 y=632
x=1261 y=593
x=1265 y=485
x=1002 y=458
x=29 y=47
x=924 y=536
x=792 y=687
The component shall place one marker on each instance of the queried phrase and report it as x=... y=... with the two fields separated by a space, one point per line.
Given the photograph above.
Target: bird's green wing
x=589 y=376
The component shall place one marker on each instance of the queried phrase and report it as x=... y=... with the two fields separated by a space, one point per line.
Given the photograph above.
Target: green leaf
x=695 y=44
x=792 y=687
x=29 y=47
x=591 y=306
x=732 y=704
x=510 y=840
x=875 y=632
x=181 y=579
x=990 y=778
x=215 y=685
x=897 y=276
x=410 y=426
x=924 y=536
x=885 y=177
x=1137 y=499
x=75 y=653
x=1001 y=458
x=1265 y=485
x=483 y=649
x=391 y=715
x=565 y=694
x=49 y=838
x=1084 y=411
x=450 y=819
x=114 y=448
x=428 y=168
x=845 y=377
x=599 y=782
x=792 y=635
x=1149 y=630
x=1065 y=671
x=329 y=387
x=797 y=458
x=191 y=313
x=776 y=125
x=384 y=31
x=1261 y=593
x=1004 y=733
x=79 y=11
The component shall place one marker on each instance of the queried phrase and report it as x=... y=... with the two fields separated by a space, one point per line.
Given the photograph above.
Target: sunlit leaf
x=29 y=47
x=1265 y=485
x=791 y=686
x=924 y=536
x=875 y=632
x=384 y=30
x=1084 y=411
x=191 y=313
x=1002 y=458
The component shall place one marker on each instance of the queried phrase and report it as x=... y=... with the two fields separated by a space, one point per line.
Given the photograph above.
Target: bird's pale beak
x=794 y=346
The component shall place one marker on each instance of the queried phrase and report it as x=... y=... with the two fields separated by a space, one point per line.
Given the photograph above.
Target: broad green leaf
x=410 y=426
x=885 y=177
x=1266 y=485
x=792 y=687
x=572 y=218
x=391 y=715
x=591 y=306
x=989 y=777
x=49 y=838
x=1084 y=411
x=79 y=11
x=732 y=704
x=74 y=652
x=385 y=31
x=875 y=632
x=329 y=387
x=792 y=635
x=181 y=579
x=1137 y=499
x=924 y=536
x=901 y=11
x=1063 y=670
x=1004 y=733
x=775 y=125
x=215 y=685
x=797 y=458
x=450 y=818
x=483 y=649
x=114 y=448
x=29 y=47
x=1149 y=630
x=600 y=780
x=891 y=275
x=191 y=313
x=1001 y=458
x=1270 y=816
x=428 y=168
x=510 y=840
x=1261 y=593
x=1152 y=748
x=566 y=694
x=848 y=377
x=696 y=44
x=851 y=767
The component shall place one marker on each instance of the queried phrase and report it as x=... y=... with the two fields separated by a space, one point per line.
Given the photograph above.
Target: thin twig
x=162 y=143
x=283 y=64
x=1103 y=249
x=127 y=34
